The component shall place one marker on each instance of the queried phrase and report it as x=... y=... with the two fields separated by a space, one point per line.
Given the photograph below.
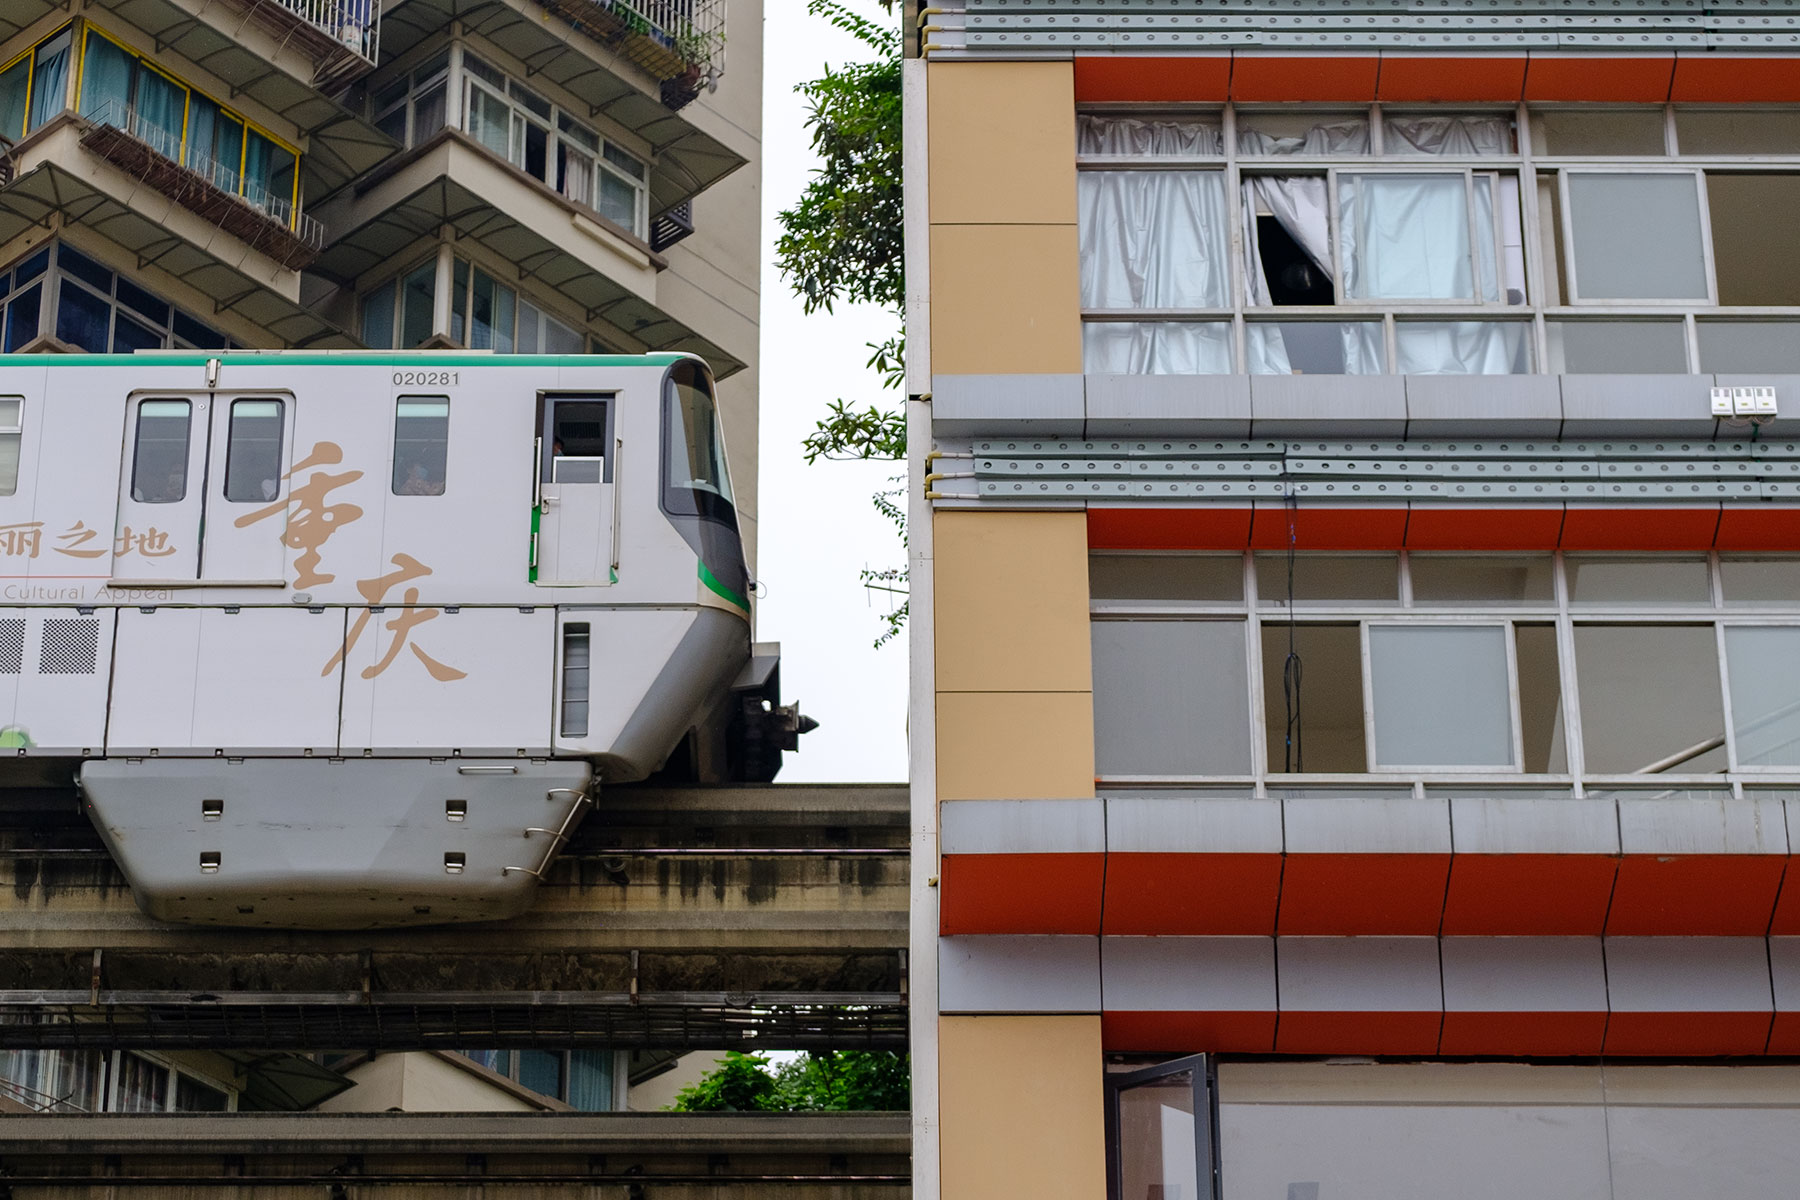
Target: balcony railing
x=343 y=36
x=213 y=190
x=680 y=42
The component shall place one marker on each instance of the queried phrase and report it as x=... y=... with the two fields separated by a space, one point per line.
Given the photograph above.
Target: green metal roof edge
x=314 y=358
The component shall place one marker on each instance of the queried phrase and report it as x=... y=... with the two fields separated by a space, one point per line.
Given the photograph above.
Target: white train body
x=348 y=639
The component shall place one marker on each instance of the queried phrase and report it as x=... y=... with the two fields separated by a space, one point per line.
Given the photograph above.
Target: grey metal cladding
x=1006 y=974
x=1074 y=826
x=1483 y=406
x=988 y=26
x=317 y=844
x=1637 y=405
x=1333 y=405
x=1035 y=405
x=1154 y=405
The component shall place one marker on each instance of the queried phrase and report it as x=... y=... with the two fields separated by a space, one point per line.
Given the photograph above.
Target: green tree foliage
x=819 y=1081
x=844 y=240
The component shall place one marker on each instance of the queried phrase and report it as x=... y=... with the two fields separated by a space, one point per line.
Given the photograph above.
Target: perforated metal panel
x=71 y=646
x=12 y=645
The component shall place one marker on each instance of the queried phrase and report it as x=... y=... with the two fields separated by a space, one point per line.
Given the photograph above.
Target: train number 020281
x=426 y=378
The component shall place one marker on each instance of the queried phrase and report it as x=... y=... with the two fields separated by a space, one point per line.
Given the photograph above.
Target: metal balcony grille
x=679 y=42
x=343 y=36
x=153 y=155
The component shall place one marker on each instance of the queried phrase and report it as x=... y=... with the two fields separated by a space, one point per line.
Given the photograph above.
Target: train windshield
x=696 y=448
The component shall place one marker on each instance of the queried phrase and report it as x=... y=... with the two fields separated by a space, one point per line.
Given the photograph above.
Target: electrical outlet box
x=1721 y=403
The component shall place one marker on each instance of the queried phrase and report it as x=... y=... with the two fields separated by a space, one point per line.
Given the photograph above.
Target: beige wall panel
x=1015 y=745
x=1005 y=300
x=1020 y=1107
x=1012 y=602
x=1002 y=139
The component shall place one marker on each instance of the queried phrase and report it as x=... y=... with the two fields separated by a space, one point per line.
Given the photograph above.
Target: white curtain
x=1461 y=348
x=1153 y=239
x=1406 y=237
x=1327 y=137
x=1469 y=136
x=1147 y=137
x=1156 y=347
x=1271 y=349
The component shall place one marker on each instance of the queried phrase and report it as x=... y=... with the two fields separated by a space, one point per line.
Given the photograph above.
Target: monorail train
x=338 y=640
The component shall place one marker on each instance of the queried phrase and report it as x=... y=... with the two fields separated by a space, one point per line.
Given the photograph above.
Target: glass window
x=1340 y=580
x=418 y=300
x=590 y=1080
x=491 y=314
x=1750 y=346
x=1615 y=216
x=1156 y=347
x=1618 y=347
x=105 y=80
x=421 y=445
x=1315 y=348
x=1755 y=242
x=541 y=1071
x=253 y=457
x=378 y=317
x=14 y=90
x=159 y=112
x=1287 y=232
x=489 y=120
x=576 y=659
x=1462 y=347
x=578 y=442
x=1750 y=581
x=1406 y=237
x=696 y=446
x=130 y=336
x=1158 y=1152
x=1539 y=670
x=1446 y=135
x=1599 y=133
x=193 y=1096
x=22 y=317
x=1170 y=698
x=1458 y=579
x=1153 y=239
x=1650 y=699
x=1262 y=134
x=160 y=457
x=1731 y=130
x=50 y=79
x=143 y=1085
x=1442 y=696
x=12 y=435
x=1313 y=698
x=83 y=319
x=1151 y=137
x=1167 y=578
x=1764 y=665
x=1603 y=580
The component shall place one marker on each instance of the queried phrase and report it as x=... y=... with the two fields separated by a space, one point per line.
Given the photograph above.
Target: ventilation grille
x=575 y=659
x=71 y=646
x=12 y=645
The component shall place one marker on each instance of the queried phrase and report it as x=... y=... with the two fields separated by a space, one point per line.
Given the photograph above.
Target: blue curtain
x=105 y=81
x=50 y=80
x=161 y=107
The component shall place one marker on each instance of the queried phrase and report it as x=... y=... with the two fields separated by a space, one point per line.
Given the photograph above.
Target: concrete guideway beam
x=854 y=1155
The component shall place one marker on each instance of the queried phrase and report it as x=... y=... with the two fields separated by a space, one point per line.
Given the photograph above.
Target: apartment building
x=1356 y=600
x=530 y=176
x=515 y=176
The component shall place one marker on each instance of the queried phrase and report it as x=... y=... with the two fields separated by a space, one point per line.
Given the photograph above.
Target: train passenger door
x=575 y=534
x=160 y=493
x=203 y=490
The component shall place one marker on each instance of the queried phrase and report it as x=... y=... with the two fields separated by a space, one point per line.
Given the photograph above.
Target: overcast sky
x=817 y=527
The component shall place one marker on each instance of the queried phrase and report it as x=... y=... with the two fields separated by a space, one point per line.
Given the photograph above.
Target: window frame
x=1557 y=614
x=1546 y=235
x=1204 y=1072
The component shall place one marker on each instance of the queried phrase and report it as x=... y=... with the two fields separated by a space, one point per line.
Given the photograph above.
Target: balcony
x=343 y=36
x=245 y=209
x=679 y=42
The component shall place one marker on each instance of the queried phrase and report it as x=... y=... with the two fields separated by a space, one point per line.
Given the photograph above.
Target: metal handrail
x=167 y=144
x=356 y=24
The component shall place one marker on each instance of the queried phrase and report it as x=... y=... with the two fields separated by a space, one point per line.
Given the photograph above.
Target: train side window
x=421 y=445
x=160 y=461
x=12 y=433
x=578 y=442
x=253 y=456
